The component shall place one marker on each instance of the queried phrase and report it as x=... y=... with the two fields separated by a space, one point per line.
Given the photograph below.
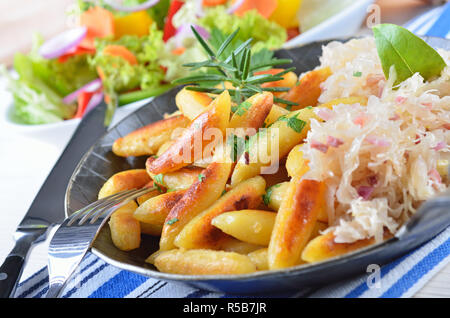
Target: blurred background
x=19 y=19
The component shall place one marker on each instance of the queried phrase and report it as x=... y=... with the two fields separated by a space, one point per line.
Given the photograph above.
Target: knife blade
x=47 y=207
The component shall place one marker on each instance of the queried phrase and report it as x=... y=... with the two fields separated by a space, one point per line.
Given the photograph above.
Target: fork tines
x=94 y=210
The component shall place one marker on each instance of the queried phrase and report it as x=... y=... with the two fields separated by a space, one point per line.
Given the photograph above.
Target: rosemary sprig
x=234 y=62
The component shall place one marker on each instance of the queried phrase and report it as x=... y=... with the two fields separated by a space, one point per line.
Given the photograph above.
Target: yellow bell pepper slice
x=136 y=23
x=286 y=13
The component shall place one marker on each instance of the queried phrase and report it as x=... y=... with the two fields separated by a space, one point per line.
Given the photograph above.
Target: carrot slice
x=264 y=7
x=212 y=3
x=100 y=73
x=99 y=23
x=271 y=71
x=179 y=50
x=122 y=51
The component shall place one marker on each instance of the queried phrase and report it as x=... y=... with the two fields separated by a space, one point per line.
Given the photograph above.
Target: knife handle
x=9 y=274
x=12 y=267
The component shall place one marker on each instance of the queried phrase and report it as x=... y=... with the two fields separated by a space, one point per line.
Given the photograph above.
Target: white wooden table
x=26 y=161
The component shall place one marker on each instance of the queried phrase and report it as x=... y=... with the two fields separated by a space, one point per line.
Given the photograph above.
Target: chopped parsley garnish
x=242 y=108
x=266 y=197
x=159 y=178
x=172 y=221
x=294 y=123
x=238 y=145
x=158 y=187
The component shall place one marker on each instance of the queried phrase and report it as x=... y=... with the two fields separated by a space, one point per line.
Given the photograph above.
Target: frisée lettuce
x=119 y=76
x=265 y=33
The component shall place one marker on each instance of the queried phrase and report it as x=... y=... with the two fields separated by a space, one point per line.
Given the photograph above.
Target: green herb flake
x=159 y=179
x=159 y=188
x=268 y=194
x=357 y=74
x=237 y=145
x=296 y=124
x=293 y=122
x=172 y=221
x=282 y=118
x=201 y=177
x=243 y=108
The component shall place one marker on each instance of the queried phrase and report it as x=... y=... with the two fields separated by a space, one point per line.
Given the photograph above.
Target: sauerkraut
x=380 y=161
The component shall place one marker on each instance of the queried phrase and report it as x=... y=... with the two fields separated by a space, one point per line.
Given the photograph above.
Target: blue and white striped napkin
x=97 y=279
x=435 y=22
x=401 y=278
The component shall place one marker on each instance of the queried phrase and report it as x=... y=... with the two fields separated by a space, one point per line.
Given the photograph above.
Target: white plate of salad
x=126 y=52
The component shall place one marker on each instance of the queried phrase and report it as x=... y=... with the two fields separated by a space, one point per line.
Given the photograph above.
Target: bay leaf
x=407 y=52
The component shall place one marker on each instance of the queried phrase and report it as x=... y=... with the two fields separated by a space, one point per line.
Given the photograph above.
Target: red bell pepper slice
x=83 y=101
x=169 y=29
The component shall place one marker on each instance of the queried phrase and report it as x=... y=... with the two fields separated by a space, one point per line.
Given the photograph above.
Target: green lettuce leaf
x=159 y=12
x=68 y=76
x=41 y=85
x=63 y=78
x=265 y=33
x=34 y=101
x=120 y=76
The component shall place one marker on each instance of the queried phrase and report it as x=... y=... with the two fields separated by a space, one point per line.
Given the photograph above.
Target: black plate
x=100 y=163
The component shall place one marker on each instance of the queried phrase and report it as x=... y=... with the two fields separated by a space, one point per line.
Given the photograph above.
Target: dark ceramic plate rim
x=303 y=269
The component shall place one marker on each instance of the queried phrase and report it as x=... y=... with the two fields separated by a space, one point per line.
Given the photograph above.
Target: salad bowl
x=333 y=23
x=57 y=134
x=342 y=24
x=100 y=163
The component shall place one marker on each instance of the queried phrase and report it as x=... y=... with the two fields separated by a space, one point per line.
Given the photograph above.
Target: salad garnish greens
x=265 y=33
x=136 y=48
x=41 y=84
x=139 y=49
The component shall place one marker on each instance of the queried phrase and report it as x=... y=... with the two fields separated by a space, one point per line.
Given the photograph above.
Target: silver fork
x=76 y=234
